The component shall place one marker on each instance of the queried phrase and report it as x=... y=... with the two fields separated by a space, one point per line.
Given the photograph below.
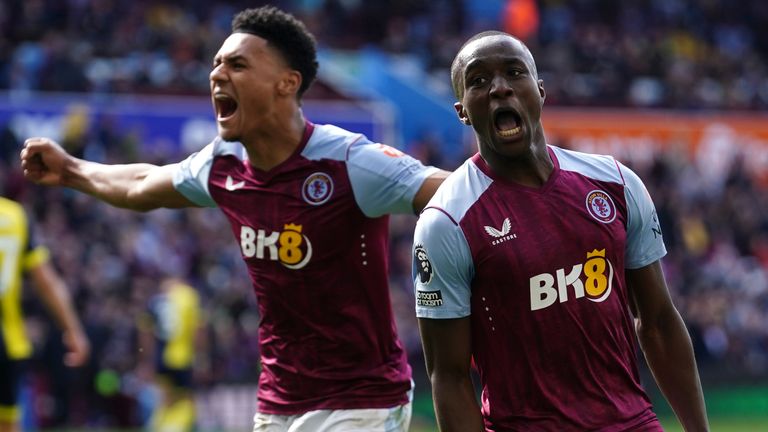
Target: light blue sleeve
x=190 y=176
x=384 y=180
x=442 y=267
x=645 y=243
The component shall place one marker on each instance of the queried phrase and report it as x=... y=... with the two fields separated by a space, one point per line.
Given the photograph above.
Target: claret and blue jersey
x=313 y=232
x=541 y=273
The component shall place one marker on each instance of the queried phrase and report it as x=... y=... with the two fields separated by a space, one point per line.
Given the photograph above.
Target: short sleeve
x=35 y=253
x=442 y=267
x=384 y=180
x=645 y=243
x=190 y=177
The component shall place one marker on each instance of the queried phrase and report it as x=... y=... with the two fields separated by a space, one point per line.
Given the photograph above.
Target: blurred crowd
x=652 y=53
x=692 y=54
x=716 y=234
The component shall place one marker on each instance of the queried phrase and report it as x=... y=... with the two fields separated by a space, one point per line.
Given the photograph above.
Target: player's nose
x=500 y=87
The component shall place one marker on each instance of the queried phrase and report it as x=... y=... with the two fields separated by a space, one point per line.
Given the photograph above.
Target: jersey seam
x=623 y=181
x=443 y=211
x=350 y=145
x=592 y=158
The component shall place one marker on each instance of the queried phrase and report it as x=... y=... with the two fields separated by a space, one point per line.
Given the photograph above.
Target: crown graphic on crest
x=596 y=253
x=292 y=227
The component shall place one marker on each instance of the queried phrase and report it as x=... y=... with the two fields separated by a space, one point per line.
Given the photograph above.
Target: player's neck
x=275 y=142
x=531 y=169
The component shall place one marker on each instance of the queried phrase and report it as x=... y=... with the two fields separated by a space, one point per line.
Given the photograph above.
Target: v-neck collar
x=265 y=176
x=486 y=169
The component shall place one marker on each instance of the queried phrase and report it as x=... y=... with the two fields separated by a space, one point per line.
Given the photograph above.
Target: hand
x=79 y=348
x=44 y=161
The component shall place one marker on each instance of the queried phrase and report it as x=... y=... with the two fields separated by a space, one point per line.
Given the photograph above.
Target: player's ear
x=542 y=92
x=462 y=113
x=289 y=84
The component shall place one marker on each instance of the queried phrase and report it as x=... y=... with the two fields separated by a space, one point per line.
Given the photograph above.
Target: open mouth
x=508 y=123
x=225 y=106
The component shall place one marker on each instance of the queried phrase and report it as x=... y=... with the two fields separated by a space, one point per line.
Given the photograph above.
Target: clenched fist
x=44 y=161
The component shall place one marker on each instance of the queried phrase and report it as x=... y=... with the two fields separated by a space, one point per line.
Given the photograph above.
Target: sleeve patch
x=429 y=298
x=423 y=265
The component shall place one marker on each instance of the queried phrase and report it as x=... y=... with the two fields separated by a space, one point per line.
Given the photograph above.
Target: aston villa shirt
x=313 y=232
x=541 y=273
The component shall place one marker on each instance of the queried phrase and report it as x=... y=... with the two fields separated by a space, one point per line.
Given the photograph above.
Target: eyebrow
x=228 y=58
x=475 y=63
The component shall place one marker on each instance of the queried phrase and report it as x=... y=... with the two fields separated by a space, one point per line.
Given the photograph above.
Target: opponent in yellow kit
x=20 y=255
x=174 y=317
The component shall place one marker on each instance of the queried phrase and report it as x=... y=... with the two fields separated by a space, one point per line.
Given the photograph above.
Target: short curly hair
x=285 y=33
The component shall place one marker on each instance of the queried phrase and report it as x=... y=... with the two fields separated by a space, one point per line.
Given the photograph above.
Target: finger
x=32 y=143
x=74 y=359
x=32 y=161
x=36 y=139
x=36 y=143
x=32 y=170
x=30 y=150
x=77 y=356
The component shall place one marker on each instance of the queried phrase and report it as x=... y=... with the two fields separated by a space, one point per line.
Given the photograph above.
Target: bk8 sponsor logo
x=290 y=247
x=597 y=272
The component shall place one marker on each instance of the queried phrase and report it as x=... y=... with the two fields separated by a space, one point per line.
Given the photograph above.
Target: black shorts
x=11 y=372
x=180 y=378
x=174 y=376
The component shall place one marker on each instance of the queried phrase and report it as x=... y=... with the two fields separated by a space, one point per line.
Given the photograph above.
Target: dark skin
x=667 y=346
x=497 y=74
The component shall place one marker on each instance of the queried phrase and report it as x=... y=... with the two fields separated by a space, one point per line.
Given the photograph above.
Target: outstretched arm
x=52 y=291
x=139 y=186
x=667 y=346
x=448 y=353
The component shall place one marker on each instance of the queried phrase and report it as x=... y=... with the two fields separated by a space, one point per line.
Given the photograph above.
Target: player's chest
x=535 y=251
x=290 y=218
x=534 y=233
x=309 y=192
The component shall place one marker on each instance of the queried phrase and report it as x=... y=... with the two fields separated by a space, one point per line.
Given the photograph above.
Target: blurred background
x=676 y=89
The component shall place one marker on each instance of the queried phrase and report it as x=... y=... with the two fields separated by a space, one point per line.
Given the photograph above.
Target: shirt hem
x=634 y=265
x=444 y=314
x=266 y=408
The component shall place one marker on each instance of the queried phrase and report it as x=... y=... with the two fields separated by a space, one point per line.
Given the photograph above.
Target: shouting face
x=500 y=95
x=248 y=79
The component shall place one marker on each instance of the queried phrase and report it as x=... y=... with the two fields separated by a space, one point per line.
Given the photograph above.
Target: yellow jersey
x=176 y=314
x=19 y=253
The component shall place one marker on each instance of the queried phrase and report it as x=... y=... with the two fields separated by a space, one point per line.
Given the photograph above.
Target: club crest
x=317 y=188
x=600 y=206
